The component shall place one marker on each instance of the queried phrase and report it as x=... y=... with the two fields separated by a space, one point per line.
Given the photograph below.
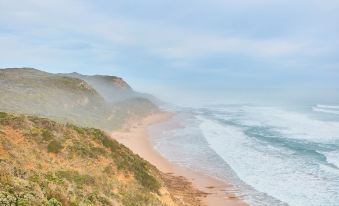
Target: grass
x=75 y=177
x=129 y=162
x=65 y=98
x=135 y=199
x=47 y=135
x=86 y=171
x=3 y=115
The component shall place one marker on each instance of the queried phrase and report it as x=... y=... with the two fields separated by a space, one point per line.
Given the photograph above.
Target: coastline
x=136 y=137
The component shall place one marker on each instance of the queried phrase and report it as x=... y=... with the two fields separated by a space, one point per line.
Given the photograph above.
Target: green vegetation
x=133 y=199
x=18 y=199
x=87 y=166
x=54 y=157
x=3 y=115
x=133 y=163
x=71 y=99
x=74 y=176
x=53 y=202
x=47 y=135
x=54 y=147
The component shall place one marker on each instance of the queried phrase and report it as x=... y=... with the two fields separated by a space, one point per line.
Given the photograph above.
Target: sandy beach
x=136 y=137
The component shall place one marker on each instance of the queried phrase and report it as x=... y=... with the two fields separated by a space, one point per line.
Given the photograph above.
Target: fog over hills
x=105 y=102
x=112 y=88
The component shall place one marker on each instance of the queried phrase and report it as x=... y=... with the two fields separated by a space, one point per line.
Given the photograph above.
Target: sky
x=181 y=49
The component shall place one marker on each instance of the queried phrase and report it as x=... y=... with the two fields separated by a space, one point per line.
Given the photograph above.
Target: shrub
x=51 y=177
x=133 y=198
x=87 y=149
x=17 y=199
x=147 y=180
x=47 y=135
x=5 y=176
x=79 y=130
x=76 y=177
x=96 y=198
x=126 y=160
x=3 y=115
x=82 y=149
x=53 y=202
x=7 y=198
x=54 y=147
x=109 y=170
x=34 y=178
x=22 y=202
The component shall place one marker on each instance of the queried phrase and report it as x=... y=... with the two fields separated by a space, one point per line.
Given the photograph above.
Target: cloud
x=200 y=46
x=51 y=19
x=171 y=39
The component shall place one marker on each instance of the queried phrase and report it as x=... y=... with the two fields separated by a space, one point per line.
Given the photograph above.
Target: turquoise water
x=273 y=155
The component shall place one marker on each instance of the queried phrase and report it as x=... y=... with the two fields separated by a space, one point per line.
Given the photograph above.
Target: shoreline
x=136 y=137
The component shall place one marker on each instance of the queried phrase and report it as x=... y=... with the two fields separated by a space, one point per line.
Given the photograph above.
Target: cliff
x=94 y=101
x=112 y=88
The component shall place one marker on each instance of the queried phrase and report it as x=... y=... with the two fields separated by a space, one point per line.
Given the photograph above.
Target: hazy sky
x=193 y=46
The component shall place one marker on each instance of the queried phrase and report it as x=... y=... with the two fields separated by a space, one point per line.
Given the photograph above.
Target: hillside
x=30 y=91
x=112 y=88
x=50 y=153
x=43 y=162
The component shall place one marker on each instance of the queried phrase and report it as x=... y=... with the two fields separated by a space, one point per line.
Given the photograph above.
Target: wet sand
x=136 y=137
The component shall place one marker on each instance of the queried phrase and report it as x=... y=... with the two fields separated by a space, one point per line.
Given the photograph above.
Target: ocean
x=272 y=155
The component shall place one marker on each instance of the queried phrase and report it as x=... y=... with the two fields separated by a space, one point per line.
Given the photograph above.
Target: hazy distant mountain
x=112 y=88
x=100 y=101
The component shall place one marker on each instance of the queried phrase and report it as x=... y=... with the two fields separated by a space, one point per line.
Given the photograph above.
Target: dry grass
x=84 y=167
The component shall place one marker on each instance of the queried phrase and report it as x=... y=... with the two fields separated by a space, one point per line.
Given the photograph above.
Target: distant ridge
x=105 y=102
x=112 y=88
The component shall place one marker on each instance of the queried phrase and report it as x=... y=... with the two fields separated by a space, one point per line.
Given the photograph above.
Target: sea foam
x=285 y=154
x=326 y=109
x=327 y=106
